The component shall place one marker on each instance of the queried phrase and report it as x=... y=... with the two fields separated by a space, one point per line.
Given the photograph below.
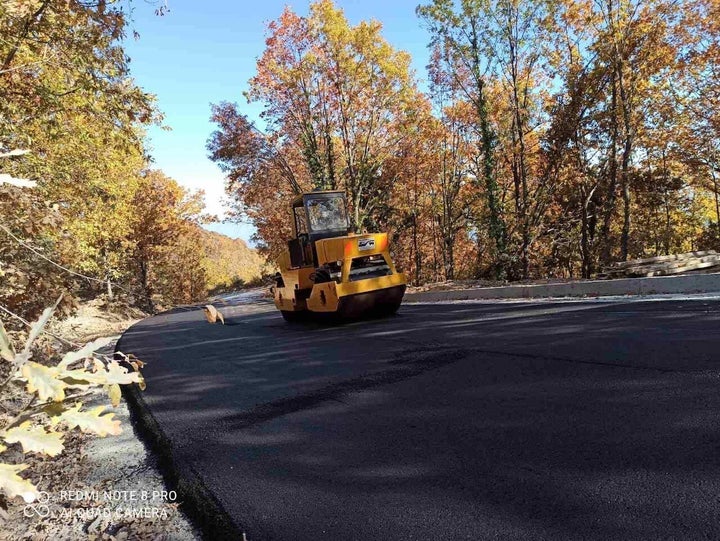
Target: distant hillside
x=230 y=261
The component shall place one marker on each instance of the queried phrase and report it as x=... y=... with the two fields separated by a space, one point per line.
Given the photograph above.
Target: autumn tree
x=555 y=136
x=263 y=172
x=338 y=93
x=697 y=100
x=66 y=98
x=231 y=263
x=453 y=148
x=163 y=213
x=456 y=30
x=68 y=102
x=28 y=283
x=411 y=211
x=43 y=67
x=614 y=110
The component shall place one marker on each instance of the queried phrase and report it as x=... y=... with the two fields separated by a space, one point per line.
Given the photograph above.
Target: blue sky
x=205 y=52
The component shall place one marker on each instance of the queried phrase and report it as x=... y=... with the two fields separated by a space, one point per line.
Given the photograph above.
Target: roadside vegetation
x=100 y=218
x=92 y=238
x=42 y=402
x=549 y=139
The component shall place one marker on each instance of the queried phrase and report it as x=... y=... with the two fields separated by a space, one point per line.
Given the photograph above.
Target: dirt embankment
x=93 y=489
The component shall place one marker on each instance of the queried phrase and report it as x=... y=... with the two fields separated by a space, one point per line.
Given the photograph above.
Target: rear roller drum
x=294 y=316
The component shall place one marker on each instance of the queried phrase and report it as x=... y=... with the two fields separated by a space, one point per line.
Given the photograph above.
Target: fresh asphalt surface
x=545 y=420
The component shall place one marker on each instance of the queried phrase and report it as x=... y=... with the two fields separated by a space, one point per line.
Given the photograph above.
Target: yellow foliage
x=35 y=439
x=14 y=485
x=228 y=261
x=90 y=421
x=44 y=381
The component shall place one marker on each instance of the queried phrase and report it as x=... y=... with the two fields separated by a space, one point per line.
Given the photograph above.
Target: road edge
x=658 y=285
x=199 y=504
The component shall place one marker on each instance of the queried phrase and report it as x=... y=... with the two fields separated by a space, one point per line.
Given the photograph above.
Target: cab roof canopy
x=299 y=200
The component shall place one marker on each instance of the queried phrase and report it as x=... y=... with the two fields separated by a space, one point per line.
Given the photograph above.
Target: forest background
x=552 y=138
x=83 y=210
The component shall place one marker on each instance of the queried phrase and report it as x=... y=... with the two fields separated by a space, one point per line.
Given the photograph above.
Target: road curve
x=546 y=420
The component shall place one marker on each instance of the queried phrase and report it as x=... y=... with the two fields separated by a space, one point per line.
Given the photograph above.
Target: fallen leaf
x=212 y=314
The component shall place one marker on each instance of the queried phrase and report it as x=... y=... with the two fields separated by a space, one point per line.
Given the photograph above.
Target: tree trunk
x=416 y=242
x=611 y=196
x=717 y=200
x=27 y=27
x=585 y=255
x=486 y=148
x=435 y=243
x=667 y=224
x=520 y=172
x=416 y=249
x=625 y=238
x=496 y=223
x=144 y=283
x=626 y=156
x=449 y=257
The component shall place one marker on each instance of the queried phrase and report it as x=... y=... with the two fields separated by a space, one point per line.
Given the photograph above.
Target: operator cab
x=316 y=216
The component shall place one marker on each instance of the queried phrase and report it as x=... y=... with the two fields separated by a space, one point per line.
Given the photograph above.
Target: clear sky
x=204 y=52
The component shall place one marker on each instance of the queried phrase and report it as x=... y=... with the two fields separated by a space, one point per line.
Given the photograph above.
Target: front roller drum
x=378 y=303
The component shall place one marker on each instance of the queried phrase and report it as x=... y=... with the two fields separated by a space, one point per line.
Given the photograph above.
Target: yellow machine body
x=349 y=275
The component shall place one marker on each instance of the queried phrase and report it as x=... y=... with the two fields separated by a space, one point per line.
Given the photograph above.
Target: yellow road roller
x=328 y=271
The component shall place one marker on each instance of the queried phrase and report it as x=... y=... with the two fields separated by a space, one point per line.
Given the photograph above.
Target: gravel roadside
x=98 y=488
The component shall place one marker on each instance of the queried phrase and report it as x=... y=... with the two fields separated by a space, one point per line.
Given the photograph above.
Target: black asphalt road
x=572 y=420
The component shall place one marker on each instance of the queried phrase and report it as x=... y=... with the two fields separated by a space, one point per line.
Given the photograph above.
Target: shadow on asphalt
x=560 y=421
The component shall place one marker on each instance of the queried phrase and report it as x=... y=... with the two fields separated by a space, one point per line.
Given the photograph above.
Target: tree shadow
x=567 y=421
